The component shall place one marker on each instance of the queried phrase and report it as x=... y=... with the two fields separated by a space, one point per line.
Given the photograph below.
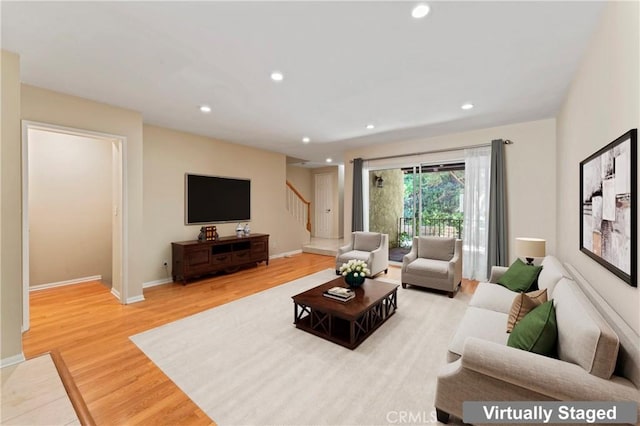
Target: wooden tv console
x=196 y=258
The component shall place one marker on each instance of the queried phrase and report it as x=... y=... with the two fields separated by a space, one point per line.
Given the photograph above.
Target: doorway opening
x=72 y=203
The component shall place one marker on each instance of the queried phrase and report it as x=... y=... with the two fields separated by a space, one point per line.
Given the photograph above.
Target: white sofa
x=593 y=364
x=371 y=247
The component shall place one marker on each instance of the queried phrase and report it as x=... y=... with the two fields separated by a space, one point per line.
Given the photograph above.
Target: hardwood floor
x=91 y=330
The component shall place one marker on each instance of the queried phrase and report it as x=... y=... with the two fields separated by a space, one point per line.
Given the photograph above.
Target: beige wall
x=300 y=178
x=10 y=211
x=69 y=207
x=50 y=107
x=602 y=104
x=169 y=154
x=334 y=171
x=530 y=174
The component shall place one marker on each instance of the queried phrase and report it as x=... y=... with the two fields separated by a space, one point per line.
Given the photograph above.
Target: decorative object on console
x=608 y=215
x=247 y=230
x=354 y=272
x=239 y=231
x=208 y=233
x=529 y=248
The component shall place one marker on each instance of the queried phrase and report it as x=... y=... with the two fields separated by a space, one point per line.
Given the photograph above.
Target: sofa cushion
x=520 y=276
x=551 y=273
x=537 y=332
x=584 y=338
x=429 y=268
x=354 y=254
x=437 y=248
x=524 y=303
x=366 y=241
x=492 y=296
x=481 y=323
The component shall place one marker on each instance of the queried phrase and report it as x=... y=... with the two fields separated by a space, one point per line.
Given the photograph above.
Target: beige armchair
x=433 y=262
x=372 y=247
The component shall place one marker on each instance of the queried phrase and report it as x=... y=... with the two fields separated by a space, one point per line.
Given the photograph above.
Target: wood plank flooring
x=91 y=330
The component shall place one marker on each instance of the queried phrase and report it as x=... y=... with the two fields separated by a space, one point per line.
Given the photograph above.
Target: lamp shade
x=530 y=247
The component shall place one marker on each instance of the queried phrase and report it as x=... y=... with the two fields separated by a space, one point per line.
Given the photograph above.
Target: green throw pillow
x=520 y=276
x=537 y=332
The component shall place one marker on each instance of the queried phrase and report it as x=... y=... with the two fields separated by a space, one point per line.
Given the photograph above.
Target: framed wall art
x=608 y=200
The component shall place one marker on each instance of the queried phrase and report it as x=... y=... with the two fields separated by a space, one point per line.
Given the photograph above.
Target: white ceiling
x=346 y=64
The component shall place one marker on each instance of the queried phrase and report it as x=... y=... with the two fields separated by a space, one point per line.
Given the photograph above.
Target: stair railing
x=298 y=206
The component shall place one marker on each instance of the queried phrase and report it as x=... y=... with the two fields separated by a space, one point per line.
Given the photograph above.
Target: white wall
x=169 y=154
x=69 y=207
x=602 y=104
x=530 y=174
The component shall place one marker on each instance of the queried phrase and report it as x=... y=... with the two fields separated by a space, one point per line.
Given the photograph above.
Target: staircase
x=298 y=207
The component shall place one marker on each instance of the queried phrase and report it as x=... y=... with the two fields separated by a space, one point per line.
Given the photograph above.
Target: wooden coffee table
x=345 y=323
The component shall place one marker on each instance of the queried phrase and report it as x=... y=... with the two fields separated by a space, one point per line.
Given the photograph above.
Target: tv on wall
x=215 y=199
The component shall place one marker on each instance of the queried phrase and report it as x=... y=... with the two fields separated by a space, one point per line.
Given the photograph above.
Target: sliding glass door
x=423 y=199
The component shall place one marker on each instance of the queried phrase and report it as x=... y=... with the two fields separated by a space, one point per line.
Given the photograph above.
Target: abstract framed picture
x=608 y=199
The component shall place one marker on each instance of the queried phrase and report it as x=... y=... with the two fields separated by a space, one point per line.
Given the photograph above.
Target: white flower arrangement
x=356 y=268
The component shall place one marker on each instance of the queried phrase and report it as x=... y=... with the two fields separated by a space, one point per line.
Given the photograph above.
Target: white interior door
x=324 y=192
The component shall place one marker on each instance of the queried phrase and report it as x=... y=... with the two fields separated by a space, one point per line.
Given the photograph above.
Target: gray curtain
x=497 y=244
x=357 y=213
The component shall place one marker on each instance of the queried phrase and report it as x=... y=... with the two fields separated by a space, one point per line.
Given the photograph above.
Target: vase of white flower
x=354 y=272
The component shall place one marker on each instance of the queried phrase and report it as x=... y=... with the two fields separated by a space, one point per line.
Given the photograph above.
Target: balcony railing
x=429 y=226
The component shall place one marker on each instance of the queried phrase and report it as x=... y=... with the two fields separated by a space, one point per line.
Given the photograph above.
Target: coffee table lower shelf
x=348 y=332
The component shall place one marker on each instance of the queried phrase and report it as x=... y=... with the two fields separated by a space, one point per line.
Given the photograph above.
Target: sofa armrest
x=496 y=273
x=411 y=256
x=557 y=379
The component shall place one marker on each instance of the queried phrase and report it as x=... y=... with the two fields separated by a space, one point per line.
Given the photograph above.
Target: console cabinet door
x=260 y=249
x=197 y=259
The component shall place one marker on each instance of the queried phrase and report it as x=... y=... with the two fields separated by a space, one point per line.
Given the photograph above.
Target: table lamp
x=530 y=248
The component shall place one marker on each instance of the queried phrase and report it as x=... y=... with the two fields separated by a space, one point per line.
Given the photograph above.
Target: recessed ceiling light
x=420 y=11
x=370 y=126
x=328 y=160
x=205 y=108
x=306 y=140
x=277 y=76
x=467 y=106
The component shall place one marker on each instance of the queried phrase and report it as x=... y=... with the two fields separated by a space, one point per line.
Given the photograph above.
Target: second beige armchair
x=433 y=262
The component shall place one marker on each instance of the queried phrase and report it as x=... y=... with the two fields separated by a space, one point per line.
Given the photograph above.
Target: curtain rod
x=435 y=151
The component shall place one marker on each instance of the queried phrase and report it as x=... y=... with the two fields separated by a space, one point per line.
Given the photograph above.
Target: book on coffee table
x=340 y=298
x=341 y=291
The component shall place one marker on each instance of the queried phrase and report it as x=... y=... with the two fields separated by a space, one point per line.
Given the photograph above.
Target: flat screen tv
x=215 y=199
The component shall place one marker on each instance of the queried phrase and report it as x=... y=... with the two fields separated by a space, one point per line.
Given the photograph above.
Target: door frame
x=119 y=207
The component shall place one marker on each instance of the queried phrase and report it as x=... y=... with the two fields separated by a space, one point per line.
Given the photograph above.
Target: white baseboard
x=67 y=282
x=157 y=282
x=116 y=293
x=16 y=359
x=134 y=299
x=285 y=254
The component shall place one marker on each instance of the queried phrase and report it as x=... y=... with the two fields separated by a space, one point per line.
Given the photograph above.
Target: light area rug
x=245 y=363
